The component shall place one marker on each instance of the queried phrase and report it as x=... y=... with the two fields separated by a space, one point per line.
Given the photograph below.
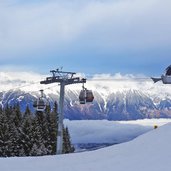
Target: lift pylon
x=64 y=78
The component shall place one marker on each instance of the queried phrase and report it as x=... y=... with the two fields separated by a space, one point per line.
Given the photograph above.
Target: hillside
x=148 y=152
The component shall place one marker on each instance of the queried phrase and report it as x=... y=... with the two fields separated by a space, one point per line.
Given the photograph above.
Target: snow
x=104 y=83
x=149 y=152
x=20 y=98
x=104 y=131
x=147 y=122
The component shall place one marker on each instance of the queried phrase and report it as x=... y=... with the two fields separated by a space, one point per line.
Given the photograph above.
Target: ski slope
x=149 y=152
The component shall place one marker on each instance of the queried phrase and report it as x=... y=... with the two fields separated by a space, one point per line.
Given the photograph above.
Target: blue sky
x=88 y=36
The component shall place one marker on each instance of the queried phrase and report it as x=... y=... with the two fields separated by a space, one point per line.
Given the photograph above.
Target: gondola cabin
x=86 y=96
x=40 y=104
x=82 y=97
x=89 y=96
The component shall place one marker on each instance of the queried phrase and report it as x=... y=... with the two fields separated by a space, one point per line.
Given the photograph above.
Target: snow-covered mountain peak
x=116 y=97
x=104 y=84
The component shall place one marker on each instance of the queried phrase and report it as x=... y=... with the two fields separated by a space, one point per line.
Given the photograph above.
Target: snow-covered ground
x=148 y=152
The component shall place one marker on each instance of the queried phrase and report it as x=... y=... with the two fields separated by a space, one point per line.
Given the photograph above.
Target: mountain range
x=116 y=97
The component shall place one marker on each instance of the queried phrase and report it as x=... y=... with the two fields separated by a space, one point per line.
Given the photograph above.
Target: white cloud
x=13 y=80
x=122 y=24
x=104 y=84
x=103 y=131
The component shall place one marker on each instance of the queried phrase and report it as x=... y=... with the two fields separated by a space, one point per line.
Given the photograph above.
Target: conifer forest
x=30 y=134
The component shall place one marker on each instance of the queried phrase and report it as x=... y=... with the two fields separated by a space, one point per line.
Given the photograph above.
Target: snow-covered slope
x=117 y=97
x=148 y=152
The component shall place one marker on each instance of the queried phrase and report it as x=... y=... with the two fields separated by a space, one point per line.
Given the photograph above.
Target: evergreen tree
x=30 y=135
x=52 y=118
x=17 y=115
x=36 y=140
x=26 y=131
x=7 y=111
x=16 y=147
x=33 y=151
x=67 y=147
x=4 y=134
x=49 y=143
x=40 y=133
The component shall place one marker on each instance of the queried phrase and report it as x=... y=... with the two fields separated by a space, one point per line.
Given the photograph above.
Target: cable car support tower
x=63 y=78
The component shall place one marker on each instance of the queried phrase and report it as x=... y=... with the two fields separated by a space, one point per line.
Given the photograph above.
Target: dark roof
x=168 y=70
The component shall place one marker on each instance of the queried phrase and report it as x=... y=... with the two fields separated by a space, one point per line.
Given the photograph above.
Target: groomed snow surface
x=148 y=152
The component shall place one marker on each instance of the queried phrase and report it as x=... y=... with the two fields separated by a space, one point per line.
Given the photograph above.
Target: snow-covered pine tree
x=26 y=131
x=16 y=146
x=45 y=135
x=36 y=141
x=40 y=133
x=4 y=134
x=52 y=117
x=49 y=129
x=28 y=134
x=67 y=146
x=17 y=115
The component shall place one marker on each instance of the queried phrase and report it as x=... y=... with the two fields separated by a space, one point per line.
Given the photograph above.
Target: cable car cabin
x=82 y=97
x=86 y=96
x=89 y=96
x=166 y=78
x=39 y=105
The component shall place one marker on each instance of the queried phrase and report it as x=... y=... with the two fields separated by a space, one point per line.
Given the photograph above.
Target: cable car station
x=165 y=78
